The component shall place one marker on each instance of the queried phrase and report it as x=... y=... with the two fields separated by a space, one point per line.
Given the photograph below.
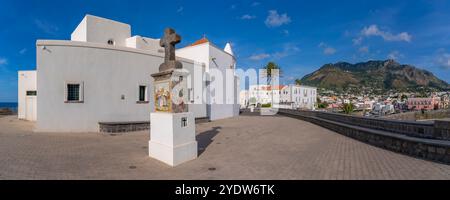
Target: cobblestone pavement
x=247 y=147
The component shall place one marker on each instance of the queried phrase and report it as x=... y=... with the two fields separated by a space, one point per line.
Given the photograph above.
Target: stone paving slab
x=246 y=147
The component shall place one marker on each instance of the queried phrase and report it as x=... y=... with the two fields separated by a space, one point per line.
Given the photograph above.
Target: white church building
x=103 y=75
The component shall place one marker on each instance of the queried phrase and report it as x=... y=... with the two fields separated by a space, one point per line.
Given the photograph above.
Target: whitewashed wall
x=144 y=43
x=100 y=30
x=305 y=97
x=222 y=103
x=107 y=72
x=198 y=85
x=199 y=53
x=26 y=82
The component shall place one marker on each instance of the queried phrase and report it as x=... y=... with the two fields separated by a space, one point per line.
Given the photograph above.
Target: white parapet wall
x=27 y=86
x=100 y=30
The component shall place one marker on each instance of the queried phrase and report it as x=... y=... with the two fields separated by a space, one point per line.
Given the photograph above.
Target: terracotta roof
x=278 y=87
x=201 y=41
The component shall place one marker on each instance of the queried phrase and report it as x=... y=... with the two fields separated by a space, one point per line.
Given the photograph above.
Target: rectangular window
x=142 y=94
x=73 y=92
x=142 y=90
x=31 y=93
x=191 y=95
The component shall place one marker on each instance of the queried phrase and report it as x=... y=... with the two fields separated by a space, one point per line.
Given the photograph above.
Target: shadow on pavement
x=204 y=139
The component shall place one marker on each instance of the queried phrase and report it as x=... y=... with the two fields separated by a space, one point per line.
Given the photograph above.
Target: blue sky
x=300 y=36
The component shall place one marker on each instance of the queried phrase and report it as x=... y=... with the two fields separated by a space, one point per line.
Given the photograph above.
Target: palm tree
x=271 y=73
x=298 y=81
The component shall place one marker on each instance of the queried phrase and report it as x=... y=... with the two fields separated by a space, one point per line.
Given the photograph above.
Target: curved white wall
x=107 y=73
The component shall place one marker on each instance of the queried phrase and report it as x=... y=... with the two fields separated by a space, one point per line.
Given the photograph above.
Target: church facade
x=103 y=75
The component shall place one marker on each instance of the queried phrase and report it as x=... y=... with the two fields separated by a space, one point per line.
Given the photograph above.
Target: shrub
x=347 y=108
x=323 y=105
x=268 y=105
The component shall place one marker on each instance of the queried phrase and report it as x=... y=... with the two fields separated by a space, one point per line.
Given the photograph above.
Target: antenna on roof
x=204 y=35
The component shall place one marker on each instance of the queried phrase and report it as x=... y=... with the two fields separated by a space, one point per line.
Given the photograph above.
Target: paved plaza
x=246 y=147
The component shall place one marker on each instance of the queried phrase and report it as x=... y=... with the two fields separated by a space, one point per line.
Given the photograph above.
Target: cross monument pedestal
x=172 y=134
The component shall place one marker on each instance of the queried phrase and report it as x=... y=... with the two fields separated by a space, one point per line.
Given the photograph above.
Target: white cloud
x=347 y=33
x=357 y=41
x=288 y=49
x=248 y=17
x=46 y=27
x=327 y=50
x=275 y=20
x=234 y=6
x=3 y=61
x=260 y=56
x=322 y=45
x=285 y=32
x=180 y=9
x=23 y=51
x=443 y=60
x=256 y=4
x=364 y=49
x=373 y=30
x=395 y=55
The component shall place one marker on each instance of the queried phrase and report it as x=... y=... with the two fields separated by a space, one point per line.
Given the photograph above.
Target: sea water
x=9 y=105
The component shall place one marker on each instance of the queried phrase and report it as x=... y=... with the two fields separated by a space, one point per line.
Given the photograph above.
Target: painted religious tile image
x=163 y=102
x=180 y=96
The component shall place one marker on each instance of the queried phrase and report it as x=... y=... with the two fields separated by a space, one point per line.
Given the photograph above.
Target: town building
x=286 y=96
x=365 y=105
x=103 y=75
x=431 y=103
x=445 y=102
x=244 y=99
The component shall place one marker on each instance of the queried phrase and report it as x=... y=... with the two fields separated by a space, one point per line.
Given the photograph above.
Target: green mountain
x=384 y=75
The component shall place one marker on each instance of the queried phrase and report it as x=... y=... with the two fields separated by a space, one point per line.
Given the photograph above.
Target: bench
x=132 y=126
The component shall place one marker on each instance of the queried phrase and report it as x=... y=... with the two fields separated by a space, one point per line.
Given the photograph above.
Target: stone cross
x=168 y=41
x=169 y=86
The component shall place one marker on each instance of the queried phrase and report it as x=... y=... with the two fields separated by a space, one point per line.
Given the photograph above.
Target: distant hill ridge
x=384 y=75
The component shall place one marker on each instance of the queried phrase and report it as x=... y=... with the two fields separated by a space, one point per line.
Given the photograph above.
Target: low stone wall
x=442 y=129
x=414 y=129
x=120 y=127
x=430 y=149
x=413 y=116
x=202 y=120
x=6 y=111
